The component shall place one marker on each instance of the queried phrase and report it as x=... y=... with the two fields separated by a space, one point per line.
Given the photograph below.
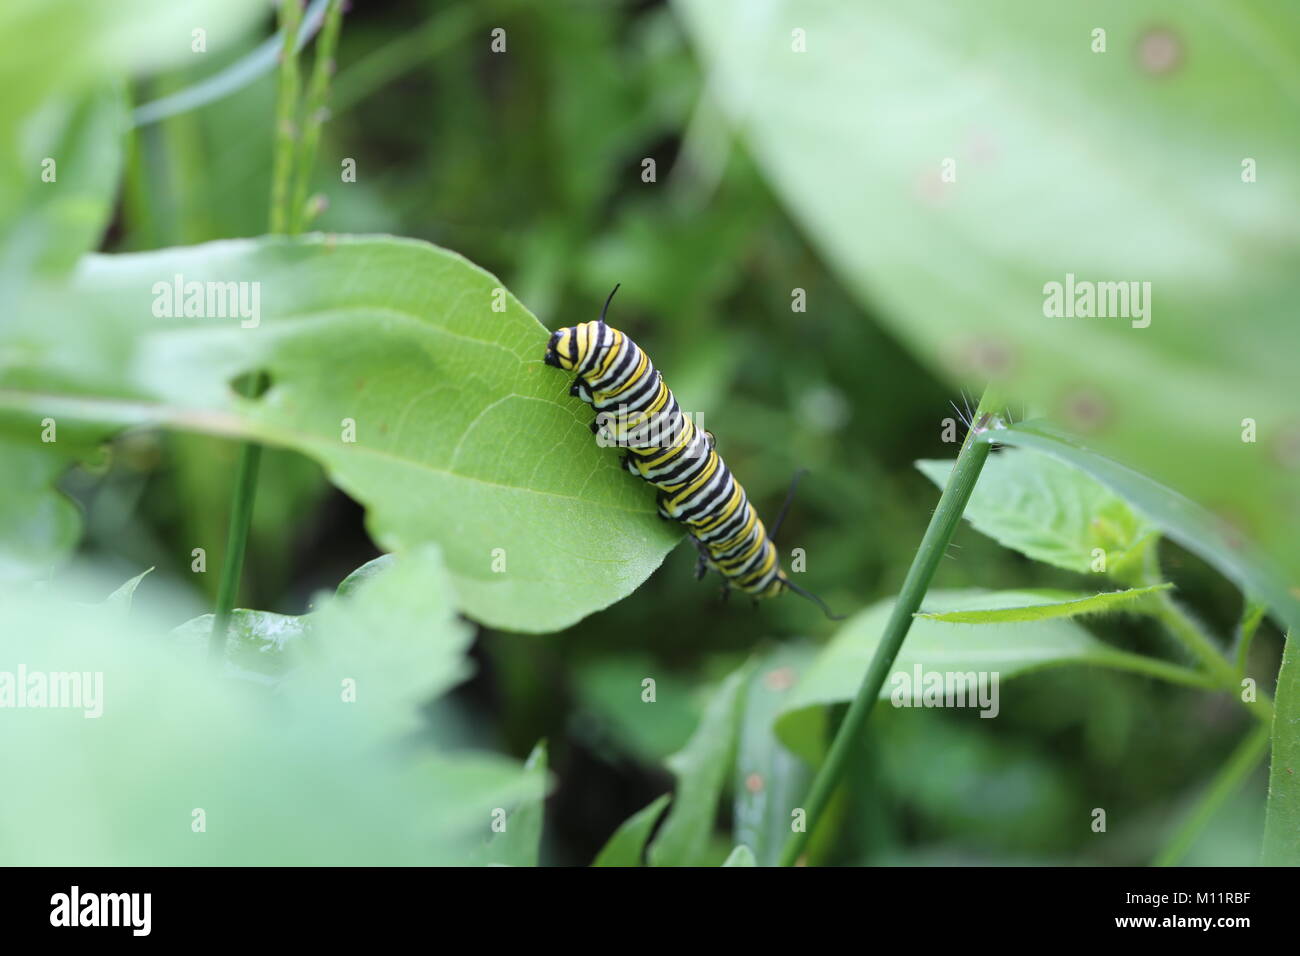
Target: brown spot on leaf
x=1159 y=51
x=781 y=678
x=1086 y=409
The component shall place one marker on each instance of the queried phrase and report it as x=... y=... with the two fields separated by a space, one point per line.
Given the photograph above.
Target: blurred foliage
x=530 y=165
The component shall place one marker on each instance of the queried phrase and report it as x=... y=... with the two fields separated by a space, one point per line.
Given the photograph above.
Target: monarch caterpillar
x=665 y=448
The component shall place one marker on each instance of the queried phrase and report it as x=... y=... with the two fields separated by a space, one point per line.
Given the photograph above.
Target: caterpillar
x=665 y=448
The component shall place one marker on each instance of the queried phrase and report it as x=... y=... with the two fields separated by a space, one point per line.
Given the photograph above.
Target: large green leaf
x=702 y=768
x=301 y=777
x=1125 y=165
x=462 y=435
x=1196 y=529
x=1282 y=821
x=769 y=781
x=1009 y=650
x=1052 y=512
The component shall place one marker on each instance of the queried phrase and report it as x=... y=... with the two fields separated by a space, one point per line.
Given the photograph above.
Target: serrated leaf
x=1010 y=650
x=701 y=768
x=463 y=436
x=1012 y=606
x=298 y=777
x=1051 y=512
x=1196 y=529
x=627 y=845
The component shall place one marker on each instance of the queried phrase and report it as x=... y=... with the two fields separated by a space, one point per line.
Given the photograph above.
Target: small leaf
x=627 y=845
x=120 y=600
x=1010 y=606
x=1051 y=512
x=363 y=574
x=1009 y=650
x=1181 y=519
x=741 y=856
x=702 y=768
x=259 y=644
x=519 y=844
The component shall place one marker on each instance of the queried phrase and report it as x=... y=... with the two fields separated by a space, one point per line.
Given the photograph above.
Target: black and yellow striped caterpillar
x=637 y=411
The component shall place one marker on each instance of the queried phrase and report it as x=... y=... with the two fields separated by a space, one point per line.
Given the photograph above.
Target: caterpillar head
x=568 y=347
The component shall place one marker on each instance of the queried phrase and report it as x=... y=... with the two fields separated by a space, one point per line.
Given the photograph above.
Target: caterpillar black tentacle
x=666 y=449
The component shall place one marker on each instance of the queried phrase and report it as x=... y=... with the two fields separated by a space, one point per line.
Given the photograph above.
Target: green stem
x=250 y=453
x=970 y=461
x=1184 y=627
x=1230 y=776
x=286 y=128
x=1250 y=620
x=314 y=117
x=232 y=79
x=1153 y=667
x=241 y=516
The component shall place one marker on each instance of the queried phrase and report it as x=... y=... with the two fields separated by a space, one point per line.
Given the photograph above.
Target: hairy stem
x=1194 y=637
x=970 y=461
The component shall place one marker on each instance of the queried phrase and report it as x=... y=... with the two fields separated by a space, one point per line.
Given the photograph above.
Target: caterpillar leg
x=701 y=560
x=661 y=501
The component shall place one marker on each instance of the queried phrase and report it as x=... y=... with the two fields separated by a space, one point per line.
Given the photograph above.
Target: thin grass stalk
x=934 y=544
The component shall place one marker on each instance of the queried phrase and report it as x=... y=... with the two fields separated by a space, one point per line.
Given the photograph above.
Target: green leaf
x=519 y=844
x=39 y=525
x=1010 y=650
x=1003 y=606
x=463 y=436
x=1052 y=512
x=702 y=768
x=61 y=67
x=854 y=136
x=627 y=845
x=769 y=781
x=120 y=600
x=1197 y=530
x=298 y=777
x=362 y=635
x=361 y=575
x=741 y=856
x=259 y=644
x=1282 y=818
